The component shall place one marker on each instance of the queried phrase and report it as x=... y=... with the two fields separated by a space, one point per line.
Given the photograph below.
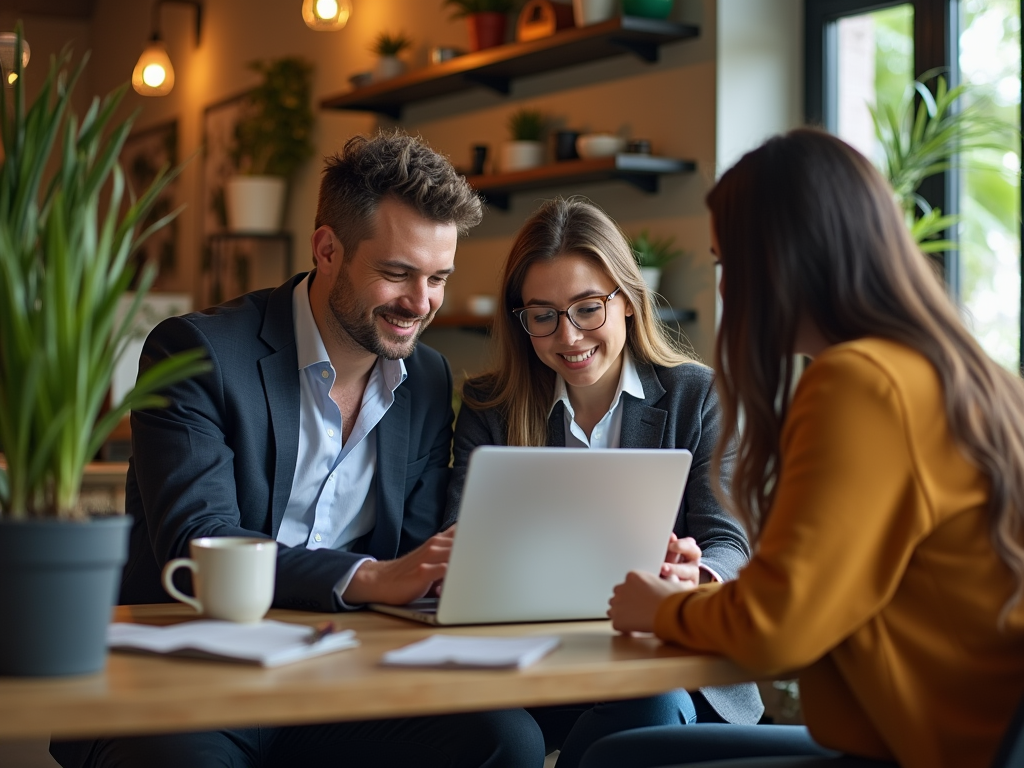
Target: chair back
x=1011 y=749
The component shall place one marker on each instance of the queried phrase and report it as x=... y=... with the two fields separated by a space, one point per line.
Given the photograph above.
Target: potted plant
x=922 y=140
x=487 y=19
x=526 y=149
x=387 y=47
x=66 y=263
x=272 y=139
x=653 y=254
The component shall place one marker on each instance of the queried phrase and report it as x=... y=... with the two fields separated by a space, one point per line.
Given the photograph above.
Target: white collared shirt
x=607 y=433
x=332 y=502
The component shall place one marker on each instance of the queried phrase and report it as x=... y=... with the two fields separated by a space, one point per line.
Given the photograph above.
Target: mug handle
x=173 y=591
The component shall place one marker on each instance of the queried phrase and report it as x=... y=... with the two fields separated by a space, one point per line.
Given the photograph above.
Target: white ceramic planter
x=586 y=12
x=651 y=276
x=388 y=67
x=254 y=203
x=520 y=155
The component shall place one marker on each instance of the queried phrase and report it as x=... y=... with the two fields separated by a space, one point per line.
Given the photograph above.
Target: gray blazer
x=679 y=410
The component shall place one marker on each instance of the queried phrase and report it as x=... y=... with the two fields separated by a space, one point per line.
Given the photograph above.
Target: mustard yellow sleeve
x=844 y=524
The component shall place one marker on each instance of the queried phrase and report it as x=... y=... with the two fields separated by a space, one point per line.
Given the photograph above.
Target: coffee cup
x=233 y=577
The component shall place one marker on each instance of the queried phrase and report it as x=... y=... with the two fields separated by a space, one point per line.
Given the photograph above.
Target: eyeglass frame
x=559 y=312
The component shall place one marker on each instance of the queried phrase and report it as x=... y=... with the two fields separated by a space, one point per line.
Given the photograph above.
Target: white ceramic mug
x=233 y=577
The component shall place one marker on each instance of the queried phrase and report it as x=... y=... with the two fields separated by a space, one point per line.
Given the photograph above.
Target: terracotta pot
x=486 y=30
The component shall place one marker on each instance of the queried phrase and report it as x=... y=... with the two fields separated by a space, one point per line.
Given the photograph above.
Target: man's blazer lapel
x=392 y=459
x=279 y=371
x=643 y=425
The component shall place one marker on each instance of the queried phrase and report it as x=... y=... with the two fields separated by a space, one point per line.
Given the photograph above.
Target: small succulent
x=387 y=44
x=527 y=124
x=654 y=251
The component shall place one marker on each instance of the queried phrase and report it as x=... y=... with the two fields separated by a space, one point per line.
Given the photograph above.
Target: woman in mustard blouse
x=884 y=489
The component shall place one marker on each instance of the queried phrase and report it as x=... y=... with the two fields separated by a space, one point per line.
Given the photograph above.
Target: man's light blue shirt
x=333 y=501
x=607 y=433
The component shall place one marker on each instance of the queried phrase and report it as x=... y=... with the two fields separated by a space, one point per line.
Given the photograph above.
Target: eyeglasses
x=587 y=314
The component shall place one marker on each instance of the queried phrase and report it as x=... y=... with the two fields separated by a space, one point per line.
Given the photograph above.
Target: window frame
x=937 y=26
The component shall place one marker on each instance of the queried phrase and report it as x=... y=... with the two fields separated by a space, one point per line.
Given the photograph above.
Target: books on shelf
x=267 y=643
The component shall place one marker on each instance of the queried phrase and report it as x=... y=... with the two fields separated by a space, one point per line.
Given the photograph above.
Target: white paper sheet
x=459 y=651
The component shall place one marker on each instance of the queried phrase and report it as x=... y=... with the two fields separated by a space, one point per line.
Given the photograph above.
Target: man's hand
x=682 y=561
x=410 y=577
x=635 y=601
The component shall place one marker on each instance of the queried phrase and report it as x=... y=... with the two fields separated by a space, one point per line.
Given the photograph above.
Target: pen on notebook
x=320 y=631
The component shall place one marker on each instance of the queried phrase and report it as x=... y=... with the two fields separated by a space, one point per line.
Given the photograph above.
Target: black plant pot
x=58 y=585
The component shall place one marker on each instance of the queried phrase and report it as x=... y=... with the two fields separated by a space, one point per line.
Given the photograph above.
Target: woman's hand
x=682 y=562
x=635 y=601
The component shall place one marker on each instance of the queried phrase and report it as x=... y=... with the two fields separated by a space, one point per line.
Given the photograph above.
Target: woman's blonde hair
x=807 y=227
x=520 y=385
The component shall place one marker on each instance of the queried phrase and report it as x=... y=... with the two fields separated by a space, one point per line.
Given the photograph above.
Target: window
x=861 y=53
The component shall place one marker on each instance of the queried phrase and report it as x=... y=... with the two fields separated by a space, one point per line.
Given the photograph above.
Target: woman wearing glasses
x=583 y=362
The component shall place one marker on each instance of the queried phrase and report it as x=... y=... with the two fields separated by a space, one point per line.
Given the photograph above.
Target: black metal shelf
x=642 y=171
x=496 y=68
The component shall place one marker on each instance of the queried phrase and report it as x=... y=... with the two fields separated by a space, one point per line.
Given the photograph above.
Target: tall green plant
x=63 y=269
x=274 y=135
x=922 y=140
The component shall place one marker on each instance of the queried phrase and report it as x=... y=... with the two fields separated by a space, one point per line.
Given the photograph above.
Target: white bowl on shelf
x=591 y=145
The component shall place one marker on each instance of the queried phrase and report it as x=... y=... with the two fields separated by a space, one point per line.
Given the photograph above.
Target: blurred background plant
x=654 y=252
x=527 y=124
x=929 y=132
x=273 y=137
x=387 y=44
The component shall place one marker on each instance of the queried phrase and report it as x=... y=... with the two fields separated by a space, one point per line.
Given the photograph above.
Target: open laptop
x=544 y=534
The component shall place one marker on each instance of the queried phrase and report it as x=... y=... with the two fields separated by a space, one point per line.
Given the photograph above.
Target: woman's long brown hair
x=520 y=384
x=806 y=225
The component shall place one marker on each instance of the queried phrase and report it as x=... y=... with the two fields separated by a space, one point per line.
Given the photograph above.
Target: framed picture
x=143 y=155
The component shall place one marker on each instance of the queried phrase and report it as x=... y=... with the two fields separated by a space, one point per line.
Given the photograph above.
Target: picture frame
x=143 y=155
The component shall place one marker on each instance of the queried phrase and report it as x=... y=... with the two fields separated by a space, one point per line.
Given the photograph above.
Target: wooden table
x=148 y=694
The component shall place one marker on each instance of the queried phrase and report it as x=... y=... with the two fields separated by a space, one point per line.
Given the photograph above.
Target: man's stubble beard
x=354 y=322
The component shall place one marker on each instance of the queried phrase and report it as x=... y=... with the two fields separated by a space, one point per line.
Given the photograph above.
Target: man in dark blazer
x=320 y=425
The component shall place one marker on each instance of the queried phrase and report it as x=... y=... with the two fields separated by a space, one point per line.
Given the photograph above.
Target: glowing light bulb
x=153 y=75
x=11 y=78
x=326 y=15
x=326 y=9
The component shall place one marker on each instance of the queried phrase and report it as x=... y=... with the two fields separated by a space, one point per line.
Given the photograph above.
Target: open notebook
x=267 y=643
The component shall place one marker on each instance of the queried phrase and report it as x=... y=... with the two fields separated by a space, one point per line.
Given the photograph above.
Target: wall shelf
x=496 y=68
x=642 y=171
